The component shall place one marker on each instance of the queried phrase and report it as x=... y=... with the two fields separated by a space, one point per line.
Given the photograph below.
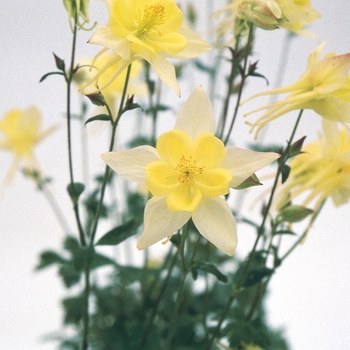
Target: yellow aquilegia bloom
x=150 y=30
x=299 y=14
x=322 y=170
x=188 y=173
x=21 y=132
x=324 y=88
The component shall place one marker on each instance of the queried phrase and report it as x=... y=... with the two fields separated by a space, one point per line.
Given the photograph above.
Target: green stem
x=69 y=79
x=228 y=93
x=85 y=316
x=185 y=270
x=261 y=229
x=244 y=76
x=107 y=169
x=157 y=302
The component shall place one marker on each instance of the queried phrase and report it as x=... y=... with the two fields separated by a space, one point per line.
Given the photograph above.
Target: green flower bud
x=265 y=14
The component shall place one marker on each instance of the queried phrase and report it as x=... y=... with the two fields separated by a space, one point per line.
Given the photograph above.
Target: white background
x=309 y=293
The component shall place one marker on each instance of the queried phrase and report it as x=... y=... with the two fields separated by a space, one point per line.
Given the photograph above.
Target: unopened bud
x=265 y=14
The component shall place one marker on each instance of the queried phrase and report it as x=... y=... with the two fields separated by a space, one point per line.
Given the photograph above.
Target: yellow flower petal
x=208 y=150
x=172 y=145
x=144 y=29
x=184 y=197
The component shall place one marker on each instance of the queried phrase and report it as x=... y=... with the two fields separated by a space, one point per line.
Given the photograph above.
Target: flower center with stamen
x=152 y=17
x=188 y=170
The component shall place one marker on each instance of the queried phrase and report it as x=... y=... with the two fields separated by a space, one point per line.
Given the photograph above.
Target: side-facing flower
x=324 y=88
x=322 y=170
x=149 y=30
x=298 y=14
x=21 y=129
x=233 y=19
x=187 y=173
x=265 y=14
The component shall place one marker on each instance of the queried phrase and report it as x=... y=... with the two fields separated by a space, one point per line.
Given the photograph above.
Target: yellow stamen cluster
x=188 y=170
x=153 y=16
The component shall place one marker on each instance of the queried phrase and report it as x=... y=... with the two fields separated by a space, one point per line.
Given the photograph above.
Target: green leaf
x=295 y=148
x=285 y=171
x=254 y=276
x=59 y=63
x=75 y=190
x=48 y=74
x=100 y=260
x=73 y=307
x=101 y=117
x=71 y=244
x=49 y=258
x=130 y=105
x=83 y=257
x=209 y=268
x=284 y=232
x=97 y=99
x=69 y=274
x=250 y=182
x=293 y=213
x=119 y=233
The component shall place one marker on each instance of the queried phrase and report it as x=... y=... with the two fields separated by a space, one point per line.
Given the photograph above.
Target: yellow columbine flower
x=21 y=129
x=299 y=14
x=187 y=173
x=324 y=87
x=149 y=30
x=323 y=169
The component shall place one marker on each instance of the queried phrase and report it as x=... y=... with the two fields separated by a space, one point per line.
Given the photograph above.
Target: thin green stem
x=111 y=145
x=261 y=229
x=69 y=79
x=85 y=316
x=160 y=294
x=228 y=93
x=244 y=76
x=185 y=270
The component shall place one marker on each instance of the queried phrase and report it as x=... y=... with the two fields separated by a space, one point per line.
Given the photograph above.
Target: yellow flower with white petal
x=21 y=129
x=188 y=173
x=299 y=14
x=322 y=170
x=324 y=88
x=149 y=30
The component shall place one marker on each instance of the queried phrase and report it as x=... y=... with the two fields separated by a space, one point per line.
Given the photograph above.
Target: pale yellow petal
x=214 y=220
x=131 y=163
x=242 y=163
x=160 y=222
x=196 y=114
